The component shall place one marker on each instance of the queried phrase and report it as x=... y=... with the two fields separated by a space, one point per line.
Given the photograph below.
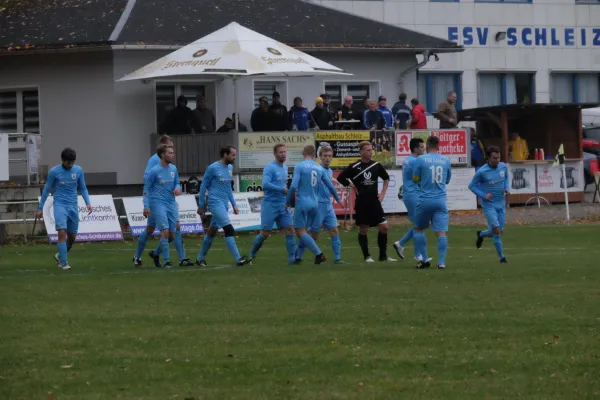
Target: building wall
x=475 y=24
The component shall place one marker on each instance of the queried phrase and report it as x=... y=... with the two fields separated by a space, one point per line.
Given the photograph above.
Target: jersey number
x=313 y=178
x=437 y=174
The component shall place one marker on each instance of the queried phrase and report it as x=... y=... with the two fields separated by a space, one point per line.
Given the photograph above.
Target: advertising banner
x=34 y=151
x=255 y=150
x=549 y=178
x=345 y=145
x=189 y=220
x=4 y=156
x=101 y=225
x=249 y=205
x=253 y=182
x=454 y=143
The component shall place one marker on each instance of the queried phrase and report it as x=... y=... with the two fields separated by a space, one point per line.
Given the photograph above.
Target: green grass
x=526 y=330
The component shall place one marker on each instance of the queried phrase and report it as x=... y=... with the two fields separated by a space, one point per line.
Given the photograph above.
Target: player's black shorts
x=369 y=212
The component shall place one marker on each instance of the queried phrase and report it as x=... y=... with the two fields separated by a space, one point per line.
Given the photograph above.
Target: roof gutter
x=304 y=48
x=403 y=74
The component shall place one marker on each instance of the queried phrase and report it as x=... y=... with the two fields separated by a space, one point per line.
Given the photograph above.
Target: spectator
x=477 y=151
x=178 y=120
x=446 y=112
x=387 y=113
x=204 y=119
x=365 y=108
x=229 y=125
x=298 y=116
x=321 y=118
x=327 y=106
x=349 y=112
x=518 y=149
x=261 y=120
x=374 y=119
x=401 y=112
x=418 y=119
x=279 y=113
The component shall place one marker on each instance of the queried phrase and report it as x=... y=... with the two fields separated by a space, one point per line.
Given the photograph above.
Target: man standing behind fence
x=65 y=179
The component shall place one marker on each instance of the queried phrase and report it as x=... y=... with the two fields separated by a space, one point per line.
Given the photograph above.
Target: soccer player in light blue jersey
x=307 y=179
x=432 y=172
x=490 y=183
x=273 y=209
x=65 y=179
x=161 y=185
x=150 y=226
x=326 y=214
x=410 y=192
x=217 y=180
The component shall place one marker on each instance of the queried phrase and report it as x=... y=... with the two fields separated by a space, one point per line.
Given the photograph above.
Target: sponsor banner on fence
x=549 y=178
x=345 y=145
x=249 y=205
x=255 y=150
x=101 y=225
x=253 y=182
x=454 y=143
x=189 y=220
x=34 y=150
x=458 y=195
x=3 y=156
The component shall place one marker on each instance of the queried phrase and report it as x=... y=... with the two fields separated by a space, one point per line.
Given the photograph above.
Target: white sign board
x=4 y=157
x=34 y=152
x=249 y=205
x=189 y=220
x=255 y=149
x=101 y=225
x=549 y=178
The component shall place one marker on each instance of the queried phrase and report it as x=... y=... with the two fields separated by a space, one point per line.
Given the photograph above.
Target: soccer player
x=362 y=176
x=490 y=183
x=217 y=180
x=150 y=226
x=65 y=179
x=273 y=209
x=307 y=178
x=160 y=188
x=326 y=214
x=410 y=192
x=432 y=172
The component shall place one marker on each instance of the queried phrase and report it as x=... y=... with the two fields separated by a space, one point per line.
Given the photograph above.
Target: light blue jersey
x=65 y=183
x=159 y=185
x=152 y=162
x=410 y=187
x=217 y=180
x=432 y=172
x=274 y=180
x=324 y=193
x=491 y=180
x=307 y=179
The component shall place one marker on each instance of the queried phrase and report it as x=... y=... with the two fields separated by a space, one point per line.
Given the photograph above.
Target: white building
x=517 y=51
x=58 y=68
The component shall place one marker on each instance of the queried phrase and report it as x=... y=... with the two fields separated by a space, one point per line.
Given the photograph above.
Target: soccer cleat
x=186 y=263
x=250 y=259
x=137 y=262
x=64 y=266
x=388 y=259
x=57 y=259
x=424 y=264
x=201 y=263
x=479 y=241
x=168 y=265
x=503 y=260
x=243 y=260
x=369 y=259
x=155 y=258
x=297 y=261
x=399 y=250
x=320 y=258
x=340 y=262
x=441 y=266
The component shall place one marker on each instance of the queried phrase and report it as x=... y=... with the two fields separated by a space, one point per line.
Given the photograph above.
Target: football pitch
x=529 y=329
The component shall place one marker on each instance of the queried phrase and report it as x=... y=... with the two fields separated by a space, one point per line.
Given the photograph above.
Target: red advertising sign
x=454 y=143
x=344 y=193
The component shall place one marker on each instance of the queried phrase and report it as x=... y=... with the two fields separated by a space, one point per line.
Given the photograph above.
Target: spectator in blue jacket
x=298 y=116
x=374 y=119
x=401 y=111
x=387 y=113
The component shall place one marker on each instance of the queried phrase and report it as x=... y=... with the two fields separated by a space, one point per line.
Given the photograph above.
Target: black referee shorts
x=369 y=212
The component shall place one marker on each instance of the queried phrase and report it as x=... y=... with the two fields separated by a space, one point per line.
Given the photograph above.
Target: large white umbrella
x=235 y=51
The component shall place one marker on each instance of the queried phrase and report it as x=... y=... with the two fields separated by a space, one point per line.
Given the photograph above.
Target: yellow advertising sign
x=345 y=145
x=256 y=149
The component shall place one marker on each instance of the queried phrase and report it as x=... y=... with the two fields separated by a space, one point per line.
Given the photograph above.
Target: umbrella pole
x=237 y=117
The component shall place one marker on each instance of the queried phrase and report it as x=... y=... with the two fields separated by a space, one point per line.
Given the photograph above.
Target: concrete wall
x=440 y=18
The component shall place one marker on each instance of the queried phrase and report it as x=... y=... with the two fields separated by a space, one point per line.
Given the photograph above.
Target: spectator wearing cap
x=229 y=125
x=327 y=105
x=279 y=113
x=320 y=117
x=387 y=113
x=418 y=119
x=204 y=119
x=261 y=120
x=298 y=116
x=374 y=119
x=179 y=120
x=401 y=112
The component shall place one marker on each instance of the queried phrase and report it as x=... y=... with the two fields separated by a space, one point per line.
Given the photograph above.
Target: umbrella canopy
x=235 y=51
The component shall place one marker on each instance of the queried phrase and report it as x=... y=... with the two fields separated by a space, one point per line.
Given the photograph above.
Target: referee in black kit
x=362 y=176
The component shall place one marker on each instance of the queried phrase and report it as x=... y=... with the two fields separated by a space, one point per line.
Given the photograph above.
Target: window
x=338 y=92
x=264 y=89
x=500 y=89
x=433 y=89
x=575 y=88
x=167 y=94
x=19 y=111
